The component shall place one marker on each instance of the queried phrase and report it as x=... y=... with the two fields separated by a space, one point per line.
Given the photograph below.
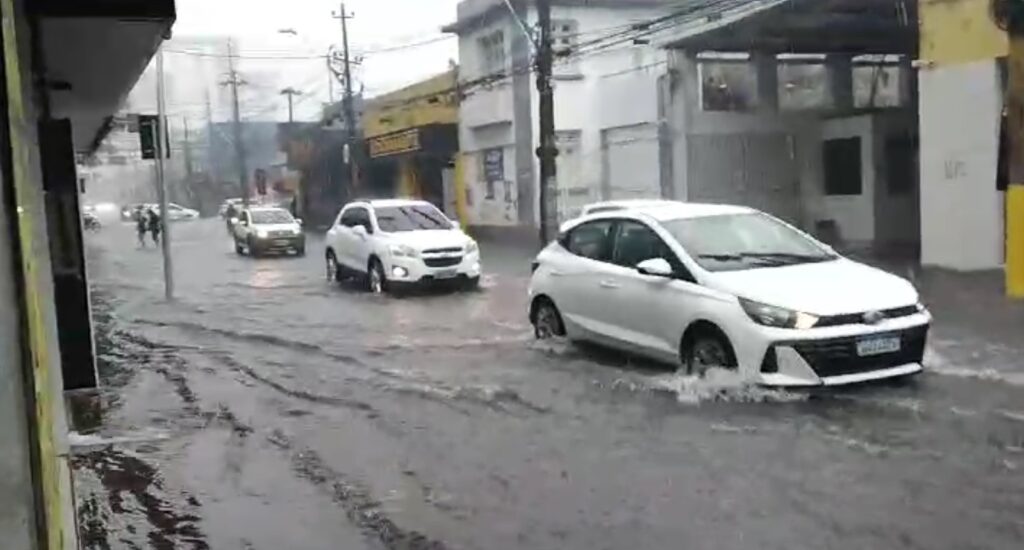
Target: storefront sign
x=394 y=144
x=494 y=165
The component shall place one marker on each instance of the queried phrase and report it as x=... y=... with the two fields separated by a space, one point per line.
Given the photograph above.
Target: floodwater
x=268 y=409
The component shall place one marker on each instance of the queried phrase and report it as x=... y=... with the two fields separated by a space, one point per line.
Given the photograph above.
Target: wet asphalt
x=268 y=409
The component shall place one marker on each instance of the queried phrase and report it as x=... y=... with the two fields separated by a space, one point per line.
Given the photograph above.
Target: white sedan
x=726 y=286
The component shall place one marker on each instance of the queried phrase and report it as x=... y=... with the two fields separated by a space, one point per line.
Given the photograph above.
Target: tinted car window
x=590 y=240
x=635 y=242
x=272 y=216
x=393 y=219
x=355 y=216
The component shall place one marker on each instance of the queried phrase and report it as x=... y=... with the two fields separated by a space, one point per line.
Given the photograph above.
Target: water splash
x=720 y=385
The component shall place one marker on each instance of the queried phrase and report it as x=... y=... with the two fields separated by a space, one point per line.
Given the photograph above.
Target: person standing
x=155 y=225
x=141 y=225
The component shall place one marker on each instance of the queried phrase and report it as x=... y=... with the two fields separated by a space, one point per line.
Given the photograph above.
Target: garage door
x=631 y=162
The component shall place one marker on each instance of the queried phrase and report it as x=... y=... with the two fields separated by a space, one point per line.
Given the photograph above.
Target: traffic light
x=148 y=125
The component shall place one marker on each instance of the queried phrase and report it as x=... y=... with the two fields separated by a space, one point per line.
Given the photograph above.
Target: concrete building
x=606 y=107
x=962 y=78
x=801 y=124
x=412 y=143
x=67 y=67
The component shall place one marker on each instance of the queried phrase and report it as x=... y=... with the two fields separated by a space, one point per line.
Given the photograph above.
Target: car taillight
x=534 y=265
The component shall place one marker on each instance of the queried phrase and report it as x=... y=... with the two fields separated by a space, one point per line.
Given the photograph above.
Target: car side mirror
x=298 y=221
x=655 y=267
x=234 y=221
x=359 y=230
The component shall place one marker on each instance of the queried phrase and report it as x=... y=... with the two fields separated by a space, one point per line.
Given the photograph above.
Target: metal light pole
x=161 y=150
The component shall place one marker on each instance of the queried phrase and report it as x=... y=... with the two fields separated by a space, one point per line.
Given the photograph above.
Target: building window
x=492 y=53
x=564 y=33
x=901 y=162
x=842 y=167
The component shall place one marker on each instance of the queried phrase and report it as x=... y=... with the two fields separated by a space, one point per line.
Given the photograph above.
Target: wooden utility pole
x=290 y=92
x=1009 y=15
x=234 y=81
x=547 y=151
x=350 y=117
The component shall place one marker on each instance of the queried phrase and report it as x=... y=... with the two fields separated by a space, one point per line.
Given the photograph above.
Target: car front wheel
x=333 y=270
x=707 y=349
x=375 y=280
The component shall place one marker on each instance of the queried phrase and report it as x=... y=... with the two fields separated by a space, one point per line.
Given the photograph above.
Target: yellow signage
x=394 y=144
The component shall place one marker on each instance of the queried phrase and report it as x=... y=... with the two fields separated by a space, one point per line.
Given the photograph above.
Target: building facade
x=606 y=107
x=962 y=80
x=412 y=143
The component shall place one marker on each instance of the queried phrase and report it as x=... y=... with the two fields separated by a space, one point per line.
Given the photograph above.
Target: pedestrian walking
x=155 y=225
x=141 y=226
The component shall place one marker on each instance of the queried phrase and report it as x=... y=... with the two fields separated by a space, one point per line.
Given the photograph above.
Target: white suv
x=395 y=242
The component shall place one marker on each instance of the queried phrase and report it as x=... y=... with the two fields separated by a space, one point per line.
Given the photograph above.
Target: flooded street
x=269 y=409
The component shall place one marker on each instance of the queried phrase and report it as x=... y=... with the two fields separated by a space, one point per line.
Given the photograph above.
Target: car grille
x=442 y=250
x=858 y=318
x=442 y=262
x=275 y=234
x=838 y=356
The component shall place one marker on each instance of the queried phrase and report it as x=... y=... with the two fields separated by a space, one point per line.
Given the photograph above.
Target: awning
x=798 y=26
x=93 y=53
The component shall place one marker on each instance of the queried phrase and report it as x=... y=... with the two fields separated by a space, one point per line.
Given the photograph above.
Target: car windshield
x=733 y=242
x=393 y=219
x=271 y=216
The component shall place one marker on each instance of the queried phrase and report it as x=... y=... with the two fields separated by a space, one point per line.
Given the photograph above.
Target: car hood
x=826 y=288
x=277 y=226
x=426 y=240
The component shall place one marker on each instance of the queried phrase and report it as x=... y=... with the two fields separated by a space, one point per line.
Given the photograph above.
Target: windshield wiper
x=788 y=257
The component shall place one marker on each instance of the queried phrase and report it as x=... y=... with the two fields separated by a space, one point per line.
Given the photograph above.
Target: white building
x=606 y=106
x=815 y=122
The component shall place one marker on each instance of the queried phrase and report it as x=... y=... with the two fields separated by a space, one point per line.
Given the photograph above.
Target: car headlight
x=402 y=250
x=774 y=316
x=472 y=247
x=262 y=233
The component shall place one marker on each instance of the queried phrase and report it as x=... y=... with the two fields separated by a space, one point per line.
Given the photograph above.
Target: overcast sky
x=255 y=24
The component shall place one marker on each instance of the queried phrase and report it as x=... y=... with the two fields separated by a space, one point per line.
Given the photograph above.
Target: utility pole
x=188 y=149
x=209 y=135
x=290 y=92
x=235 y=81
x=162 y=146
x=547 y=151
x=350 y=117
x=1009 y=15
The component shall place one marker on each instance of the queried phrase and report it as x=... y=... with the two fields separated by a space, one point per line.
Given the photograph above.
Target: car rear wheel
x=333 y=269
x=238 y=248
x=375 y=279
x=705 y=349
x=547 y=321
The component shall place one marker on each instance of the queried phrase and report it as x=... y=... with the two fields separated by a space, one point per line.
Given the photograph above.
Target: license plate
x=446 y=274
x=281 y=243
x=878 y=346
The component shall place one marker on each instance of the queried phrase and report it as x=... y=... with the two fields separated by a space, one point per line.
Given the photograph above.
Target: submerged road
x=268 y=409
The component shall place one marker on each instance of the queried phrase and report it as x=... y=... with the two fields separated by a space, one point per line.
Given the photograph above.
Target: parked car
x=397 y=242
x=90 y=221
x=258 y=231
x=711 y=285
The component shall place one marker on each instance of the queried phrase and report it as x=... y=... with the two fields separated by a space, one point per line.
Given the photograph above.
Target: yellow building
x=412 y=143
x=969 y=217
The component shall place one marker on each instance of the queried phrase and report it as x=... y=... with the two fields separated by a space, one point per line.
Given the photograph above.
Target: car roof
x=385 y=203
x=666 y=211
x=266 y=209
x=628 y=203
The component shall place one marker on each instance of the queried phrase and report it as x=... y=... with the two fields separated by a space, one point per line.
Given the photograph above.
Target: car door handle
x=611 y=285
x=556 y=273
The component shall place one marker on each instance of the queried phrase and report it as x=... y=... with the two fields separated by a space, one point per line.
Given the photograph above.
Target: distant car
x=177 y=213
x=90 y=221
x=130 y=212
x=397 y=242
x=258 y=231
x=709 y=286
